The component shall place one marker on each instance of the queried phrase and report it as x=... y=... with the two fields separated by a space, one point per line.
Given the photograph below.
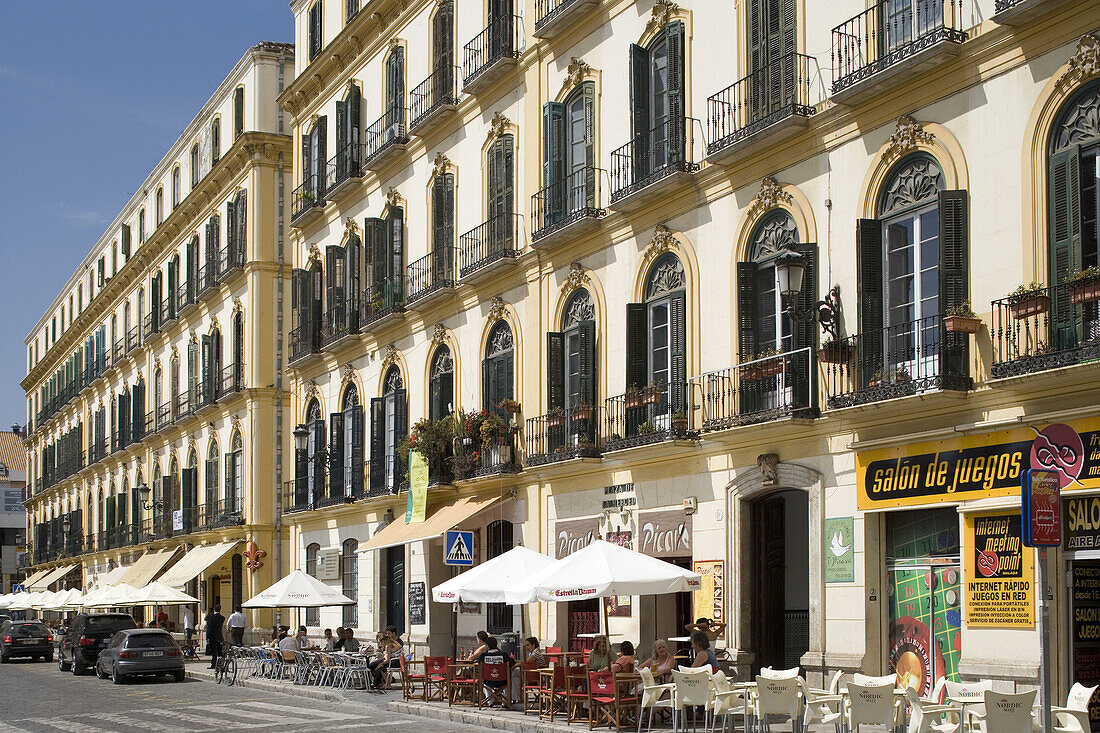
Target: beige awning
x=194 y=562
x=51 y=576
x=35 y=577
x=146 y=567
x=445 y=517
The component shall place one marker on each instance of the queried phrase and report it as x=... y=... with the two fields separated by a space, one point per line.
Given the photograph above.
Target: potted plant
x=834 y=351
x=652 y=394
x=633 y=397
x=1028 y=300
x=582 y=412
x=647 y=428
x=679 y=421
x=555 y=418
x=961 y=319
x=307 y=197
x=901 y=374
x=509 y=406
x=877 y=379
x=1084 y=285
x=771 y=367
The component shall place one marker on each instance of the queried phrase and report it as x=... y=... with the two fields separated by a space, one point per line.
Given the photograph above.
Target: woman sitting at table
x=625 y=661
x=661 y=663
x=599 y=658
x=700 y=647
x=390 y=648
x=482 y=646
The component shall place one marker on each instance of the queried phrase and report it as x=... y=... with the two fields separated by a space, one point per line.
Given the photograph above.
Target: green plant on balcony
x=961 y=319
x=834 y=351
x=307 y=196
x=647 y=428
x=1028 y=300
x=555 y=417
x=679 y=421
x=432 y=439
x=377 y=303
x=1083 y=285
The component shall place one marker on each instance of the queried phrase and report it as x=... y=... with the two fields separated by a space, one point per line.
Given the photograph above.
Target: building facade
x=152 y=382
x=13 y=519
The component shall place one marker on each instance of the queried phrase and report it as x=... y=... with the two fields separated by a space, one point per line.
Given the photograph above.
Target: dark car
x=87 y=636
x=25 y=639
x=140 y=652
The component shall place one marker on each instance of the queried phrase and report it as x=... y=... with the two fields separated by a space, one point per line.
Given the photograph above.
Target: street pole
x=1044 y=640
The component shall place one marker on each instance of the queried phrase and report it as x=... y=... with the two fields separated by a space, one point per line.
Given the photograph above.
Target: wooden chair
x=529 y=687
x=576 y=696
x=553 y=655
x=463 y=682
x=414 y=686
x=552 y=694
x=492 y=675
x=607 y=702
x=435 y=678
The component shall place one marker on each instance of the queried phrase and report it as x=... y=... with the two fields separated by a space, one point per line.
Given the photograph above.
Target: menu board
x=1086 y=630
x=416 y=603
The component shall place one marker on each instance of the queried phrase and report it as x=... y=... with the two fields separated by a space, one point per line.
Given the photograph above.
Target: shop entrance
x=1085 y=604
x=923 y=585
x=393 y=590
x=214 y=594
x=781 y=580
x=584 y=618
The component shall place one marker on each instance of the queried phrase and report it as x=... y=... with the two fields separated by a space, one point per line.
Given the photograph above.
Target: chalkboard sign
x=416 y=603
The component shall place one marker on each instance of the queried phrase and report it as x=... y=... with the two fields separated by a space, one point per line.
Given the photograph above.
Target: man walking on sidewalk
x=214 y=637
x=236 y=624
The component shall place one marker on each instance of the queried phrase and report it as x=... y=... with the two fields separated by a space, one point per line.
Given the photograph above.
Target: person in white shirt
x=188 y=624
x=236 y=624
x=288 y=643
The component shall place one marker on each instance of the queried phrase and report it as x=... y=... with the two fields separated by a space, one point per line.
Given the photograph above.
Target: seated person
x=661 y=662
x=533 y=654
x=328 y=641
x=287 y=643
x=625 y=661
x=388 y=656
x=700 y=648
x=338 y=642
x=599 y=658
x=494 y=655
x=482 y=646
x=351 y=644
x=713 y=629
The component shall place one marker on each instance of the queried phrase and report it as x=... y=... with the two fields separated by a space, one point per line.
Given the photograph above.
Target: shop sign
x=1041 y=509
x=328 y=564
x=1082 y=522
x=620 y=496
x=417 y=500
x=708 y=599
x=999 y=573
x=664 y=533
x=840 y=556
x=977 y=466
x=573 y=535
x=416 y=603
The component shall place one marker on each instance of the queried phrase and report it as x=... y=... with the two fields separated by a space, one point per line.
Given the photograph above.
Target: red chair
x=607 y=702
x=576 y=702
x=463 y=681
x=530 y=687
x=435 y=678
x=495 y=680
x=413 y=686
x=553 y=655
x=552 y=697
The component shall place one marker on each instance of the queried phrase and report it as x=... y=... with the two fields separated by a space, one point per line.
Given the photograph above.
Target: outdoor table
x=962 y=702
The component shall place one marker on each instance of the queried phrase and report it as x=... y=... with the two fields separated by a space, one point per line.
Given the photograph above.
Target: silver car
x=133 y=652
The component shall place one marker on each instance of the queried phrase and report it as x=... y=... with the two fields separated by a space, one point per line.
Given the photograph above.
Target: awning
x=445 y=517
x=105 y=580
x=51 y=577
x=194 y=562
x=146 y=567
x=35 y=577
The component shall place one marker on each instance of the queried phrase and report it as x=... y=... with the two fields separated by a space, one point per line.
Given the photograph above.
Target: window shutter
x=333 y=288
x=137 y=410
x=336 y=455
x=126 y=241
x=435 y=397
x=488 y=385
x=320 y=130
x=637 y=345
x=1065 y=240
x=375 y=249
x=230 y=231
x=395 y=223
x=341 y=140
x=589 y=91
x=317 y=445
x=154 y=307
x=207 y=367
x=316 y=291
x=301 y=478
x=639 y=109
x=869 y=297
x=192 y=375
x=354 y=417
x=216 y=361
x=307 y=157
x=173 y=286
x=553 y=172
x=448 y=223
x=586 y=332
x=242 y=227
x=352 y=284
x=238 y=112
x=678 y=352
x=377 y=444
x=555 y=370
x=315 y=29
x=804 y=380
x=400 y=430
x=397 y=90
x=211 y=500
x=954 y=278
x=677 y=124
x=187 y=488
x=354 y=120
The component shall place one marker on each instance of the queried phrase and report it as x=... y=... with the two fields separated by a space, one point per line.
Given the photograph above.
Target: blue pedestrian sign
x=19 y=588
x=458 y=548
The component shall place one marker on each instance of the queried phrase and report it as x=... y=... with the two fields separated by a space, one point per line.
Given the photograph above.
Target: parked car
x=25 y=639
x=4 y=617
x=88 y=635
x=140 y=652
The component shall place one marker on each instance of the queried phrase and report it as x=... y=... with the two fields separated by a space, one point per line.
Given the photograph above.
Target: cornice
x=251 y=149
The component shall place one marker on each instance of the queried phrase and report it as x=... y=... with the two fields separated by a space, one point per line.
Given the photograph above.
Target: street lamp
x=145 y=491
x=790 y=269
x=66 y=525
x=301 y=437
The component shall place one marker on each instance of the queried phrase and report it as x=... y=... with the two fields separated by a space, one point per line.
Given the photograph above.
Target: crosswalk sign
x=458 y=548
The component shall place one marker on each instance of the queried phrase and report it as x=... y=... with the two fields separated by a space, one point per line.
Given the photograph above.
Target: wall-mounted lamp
x=790 y=268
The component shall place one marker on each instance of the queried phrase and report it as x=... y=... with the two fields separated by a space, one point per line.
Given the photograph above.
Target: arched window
x=238 y=352
x=313 y=615
x=1073 y=180
x=657 y=344
x=499 y=539
x=443 y=54
x=141 y=226
x=175 y=186
x=159 y=206
x=313 y=165
x=572 y=373
x=159 y=495
x=212 y=366
x=216 y=140
x=441 y=384
x=498 y=368
x=657 y=103
x=195 y=162
x=309 y=471
x=569 y=173
x=443 y=230
x=160 y=405
x=395 y=88
x=500 y=174
x=912 y=267
x=389 y=425
x=212 y=473
x=350 y=457
x=349 y=577
x=234 y=481
x=348 y=123
x=174 y=387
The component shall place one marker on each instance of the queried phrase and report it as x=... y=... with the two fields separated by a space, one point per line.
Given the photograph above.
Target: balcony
x=183 y=405
x=185 y=296
x=230 y=259
x=755 y=391
x=151 y=329
x=208 y=277
x=564 y=435
x=303 y=342
x=222 y=514
x=296 y=496
x=433 y=100
x=336 y=325
x=430 y=277
x=554 y=16
x=232 y=380
x=150 y=422
x=890 y=41
x=306 y=203
x=1053 y=327
x=489 y=247
x=771 y=103
x=157 y=528
x=119 y=351
x=168 y=309
x=909 y=358
x=1022 y=12
x=497 y=456
x=133 y=338
x=383 y=303
x=493 y=53
x=567 y=209
x=164 y=416
x=343 y=171
x=386 y=137
x=643 y=417
x=657 y=163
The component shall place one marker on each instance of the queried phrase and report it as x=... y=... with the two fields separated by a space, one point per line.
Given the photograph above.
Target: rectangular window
x=315 y=29
x=141 y=226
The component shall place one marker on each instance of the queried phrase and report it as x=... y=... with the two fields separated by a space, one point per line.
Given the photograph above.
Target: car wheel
x=117 y=678
x=100 y=673
x=4 y=658
x=178 y=676
x=77 y=668
x=62 y=666
x=48 y=658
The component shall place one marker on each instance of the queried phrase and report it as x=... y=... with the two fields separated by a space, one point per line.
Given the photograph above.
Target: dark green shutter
x=352 y=283
x=400 y=430
x=336 y=455
x=1065 y=242
x=637 y=361
x=126 y=241
x=375 y=249
x=677 y=125
x=230 y=232
x=354 y=417
x=586 y=336
x=307 y=159
x=954 y=279
x=154 y=307
x=173 y=285
x=804 y=334
x=341 y=140
x=334 y=285
x=747 y=317
x=555 y=370
x=639 y=111
x=241 y=209
x=677 y=388
x=377 y=444
x=553 y=139
x=320 y=131
x=589 y=91
x=238 y=112
x=354 y=119
x=488 y=385
x=869 y=298
x=207 y=367
x=395 y=234
x=211 y=500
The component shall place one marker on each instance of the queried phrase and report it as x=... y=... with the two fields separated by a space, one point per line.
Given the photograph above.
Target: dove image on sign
x=458 y=548
x=837 y=546
x=839 y=558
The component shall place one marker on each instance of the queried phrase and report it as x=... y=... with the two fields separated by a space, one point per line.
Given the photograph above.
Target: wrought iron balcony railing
x=565 y=434
x=776 y=92
x=232 y=379
x=303 y=342
x=653 y=155
x=1053 y=327
x=488 y=243
x=898 y=360
x=119 y=351
x=223 y=513
x=491 y=458
x=381 y=300
x=183 y=405
x=550 y=15
x=229 y=259
x=168 y=309
x=431 y=273
x=343 y=167
x=305 y=197
x=577 y=198
x=497 y=47
x=387 y=134
x=336 y=325
x=644 y=416
x=164 y=415
x=756 y=390
x=432 y=97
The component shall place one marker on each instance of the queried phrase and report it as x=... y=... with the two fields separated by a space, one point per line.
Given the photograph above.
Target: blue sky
x=92 y=95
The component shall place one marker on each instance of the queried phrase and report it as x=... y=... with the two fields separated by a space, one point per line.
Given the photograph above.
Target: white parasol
x=298 y=590
x=159 y=594
x=491 y=581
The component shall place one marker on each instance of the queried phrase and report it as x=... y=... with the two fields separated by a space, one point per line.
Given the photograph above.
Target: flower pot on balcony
x=962 y=324
x=582 y=413
x=1032 y=305
x=651 y=397
x=1084 y=292
x=555 y=421
x=833 y=353
x=680 y=425
x=509 y=406
x=750 y=373
x=773 y=367
x=634 y=400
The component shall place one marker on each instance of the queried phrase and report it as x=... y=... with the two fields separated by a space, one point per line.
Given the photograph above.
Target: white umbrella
x=490 y=581
x=5 y=599
x=43 y=600
x=604 y=569
x=117 y=595
x=159 y=594
x=93 y=596
x=63 y=599
x=298 y=590
x=22 y=602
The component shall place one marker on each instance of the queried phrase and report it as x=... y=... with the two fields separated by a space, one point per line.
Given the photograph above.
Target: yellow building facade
x=152 y=385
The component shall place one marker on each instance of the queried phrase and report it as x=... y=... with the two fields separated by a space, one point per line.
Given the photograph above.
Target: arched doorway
x=780 y=562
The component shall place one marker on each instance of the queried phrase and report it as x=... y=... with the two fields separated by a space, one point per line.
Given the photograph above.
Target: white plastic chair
x=653 y=696
x=867 y=681
x=691 y=691
x=833 y=688
x=1074 y=717
x=822 y=707
x=780 y=674
x=1007 y=713
x=931 y=717
x=971 y=693
x=779 y=697
x=725 y=700
x=871 y=705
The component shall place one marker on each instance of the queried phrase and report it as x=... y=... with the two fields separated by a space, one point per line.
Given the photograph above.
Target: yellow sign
x=708 y=599
x=999 y=572
x=418 y=486
x=977 y=466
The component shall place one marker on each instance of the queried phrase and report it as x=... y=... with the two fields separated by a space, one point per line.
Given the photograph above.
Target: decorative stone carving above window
x=916 y=180
x=499 y=125
x=771 y=195
x=500 y=341
x=496 y=309
x=1080 y=123
x=580 y=308
x=575 y=279
x=908 y=135
x=439 y=335
x=775 y=233
x=667 y=276
x=391 y=356
x=1085 y=61
x=440 y=165
x=663 y=241
x=394 y=197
